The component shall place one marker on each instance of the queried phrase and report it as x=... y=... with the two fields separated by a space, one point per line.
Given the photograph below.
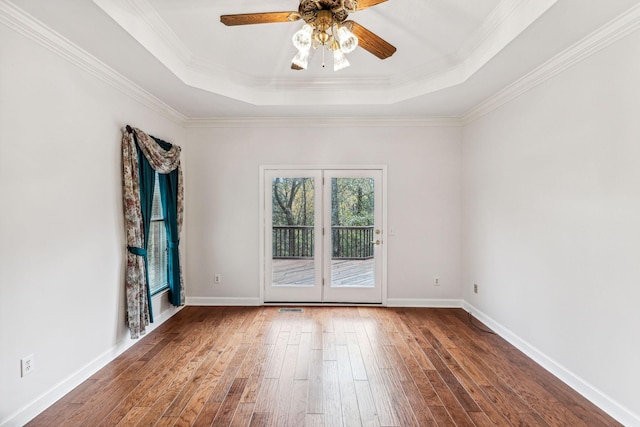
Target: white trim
x=322 y=166
x=614 y=30
x=424 y=302
x=223 y=301
x=603 y=401
x=23 y=23
x=509 y=19
x=55 y=393
x=322 y=304
x=591 y=393
x=152 y=20
x=306 y=122
x=262 y=225
x=385 y=234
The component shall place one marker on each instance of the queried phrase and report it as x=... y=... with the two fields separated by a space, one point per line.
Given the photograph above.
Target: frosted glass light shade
x=339 y=60
x=348 y=40
x=302 y=37
x=302 y=58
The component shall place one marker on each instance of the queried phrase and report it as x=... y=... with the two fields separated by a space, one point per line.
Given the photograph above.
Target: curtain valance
x=161 y=160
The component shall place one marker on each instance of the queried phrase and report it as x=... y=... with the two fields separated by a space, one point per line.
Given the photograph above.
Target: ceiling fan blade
x=371 y=42
x=363 y=4
x=259 y=18
x=296 y=67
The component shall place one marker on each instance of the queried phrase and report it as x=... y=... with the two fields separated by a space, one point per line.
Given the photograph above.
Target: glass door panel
x=352 y=247
x=293 y=239
x=323 y=236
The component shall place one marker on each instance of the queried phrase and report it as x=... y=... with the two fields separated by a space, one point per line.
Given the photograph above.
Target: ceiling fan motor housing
x=340 y=9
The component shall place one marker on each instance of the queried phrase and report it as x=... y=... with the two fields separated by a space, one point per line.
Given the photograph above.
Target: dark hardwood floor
x=327 y=366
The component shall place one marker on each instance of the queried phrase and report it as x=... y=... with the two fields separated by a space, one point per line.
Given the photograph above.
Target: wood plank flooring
x=327 y=366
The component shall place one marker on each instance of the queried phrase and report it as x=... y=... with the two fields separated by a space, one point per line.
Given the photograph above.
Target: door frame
x=263 y=225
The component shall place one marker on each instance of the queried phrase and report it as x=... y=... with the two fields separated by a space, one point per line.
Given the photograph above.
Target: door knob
x=375 y=242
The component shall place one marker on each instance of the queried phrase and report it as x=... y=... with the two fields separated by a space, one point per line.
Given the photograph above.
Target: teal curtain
x=147 y=182
x=142 y=157
x=169 y=196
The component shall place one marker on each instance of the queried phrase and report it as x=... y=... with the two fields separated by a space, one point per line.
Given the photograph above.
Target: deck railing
x=352 y=242
x=293 y=241
x=297 y=241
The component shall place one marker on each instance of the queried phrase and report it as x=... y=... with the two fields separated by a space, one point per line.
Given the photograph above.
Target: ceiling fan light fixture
x=339 y=60
x=325 y=26
x=348 y=40
x=302 y=37
x=301 y=59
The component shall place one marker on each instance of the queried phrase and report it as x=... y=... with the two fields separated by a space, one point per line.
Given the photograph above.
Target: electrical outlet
x=475 y=288
x=217 y=278
x=27 y=365
x=436 y=281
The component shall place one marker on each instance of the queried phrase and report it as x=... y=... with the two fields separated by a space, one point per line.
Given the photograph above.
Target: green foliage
x=293 y=201
x=352 y=201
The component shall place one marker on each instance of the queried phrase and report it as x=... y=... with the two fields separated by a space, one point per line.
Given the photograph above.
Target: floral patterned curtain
x=163 y=161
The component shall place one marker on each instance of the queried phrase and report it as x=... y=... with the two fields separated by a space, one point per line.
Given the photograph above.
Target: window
x=157 y=249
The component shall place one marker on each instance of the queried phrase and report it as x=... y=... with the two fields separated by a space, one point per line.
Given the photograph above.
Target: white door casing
x=318 y=276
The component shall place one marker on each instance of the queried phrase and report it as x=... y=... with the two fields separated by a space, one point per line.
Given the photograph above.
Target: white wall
x=549 y=228
x=61 y=227
x=552 y=221
x=424 y=187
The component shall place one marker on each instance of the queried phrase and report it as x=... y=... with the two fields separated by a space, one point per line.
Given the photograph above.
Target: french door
x=323 y=235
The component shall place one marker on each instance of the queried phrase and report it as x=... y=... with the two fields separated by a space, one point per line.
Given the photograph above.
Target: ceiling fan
x=326 y=26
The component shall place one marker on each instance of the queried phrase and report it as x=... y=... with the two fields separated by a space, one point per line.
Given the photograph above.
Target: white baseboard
x=391 y=302
x=591 y=393
x=604 y=402
x=429 y=303
x=34 y=408
x=222 y=301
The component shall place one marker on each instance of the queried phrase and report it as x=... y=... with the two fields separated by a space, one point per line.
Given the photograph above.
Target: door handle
x=375 y=242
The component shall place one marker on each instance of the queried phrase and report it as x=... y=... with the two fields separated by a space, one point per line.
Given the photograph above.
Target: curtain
x=169 y=184
x=147 y=177
x=141 y=155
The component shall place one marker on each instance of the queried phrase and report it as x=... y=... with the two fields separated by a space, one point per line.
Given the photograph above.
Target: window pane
x=157 y=249
x=157 y=256
x=156 y=207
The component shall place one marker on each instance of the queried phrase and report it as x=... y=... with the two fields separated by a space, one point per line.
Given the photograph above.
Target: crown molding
x=333 y=122
x=614 y=30
x=500 y=14
x=490 y=29
x=502 y=26
x=23 y=23
x=148 y=14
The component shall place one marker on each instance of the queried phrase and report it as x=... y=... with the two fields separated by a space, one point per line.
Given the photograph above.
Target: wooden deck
x=343 y=272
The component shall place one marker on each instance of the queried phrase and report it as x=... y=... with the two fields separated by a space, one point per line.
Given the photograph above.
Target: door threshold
x=322 y=304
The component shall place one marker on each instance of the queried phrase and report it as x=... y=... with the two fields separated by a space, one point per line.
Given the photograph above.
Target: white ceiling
x=452 y=54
